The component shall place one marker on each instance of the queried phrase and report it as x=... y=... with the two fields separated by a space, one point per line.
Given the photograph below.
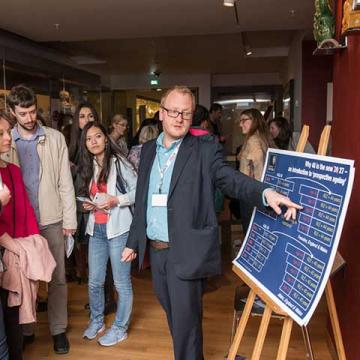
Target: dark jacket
x=192 y=221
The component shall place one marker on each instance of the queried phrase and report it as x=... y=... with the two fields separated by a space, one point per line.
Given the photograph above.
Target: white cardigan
x=120 y=216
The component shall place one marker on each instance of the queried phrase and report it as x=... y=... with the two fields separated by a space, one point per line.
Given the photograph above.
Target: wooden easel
x=270 y=306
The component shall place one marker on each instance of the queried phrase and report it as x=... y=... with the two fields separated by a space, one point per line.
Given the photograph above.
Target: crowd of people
x=118 y=202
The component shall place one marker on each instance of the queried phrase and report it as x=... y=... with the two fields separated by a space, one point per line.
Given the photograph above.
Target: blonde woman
x=257 y=141
x=119 y=125
x=253 y=152
x=147 y=133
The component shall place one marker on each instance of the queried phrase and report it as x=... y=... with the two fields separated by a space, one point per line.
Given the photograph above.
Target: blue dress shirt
x=156 y=216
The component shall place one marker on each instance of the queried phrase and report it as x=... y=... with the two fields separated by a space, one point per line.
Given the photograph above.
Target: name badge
x=159 y=200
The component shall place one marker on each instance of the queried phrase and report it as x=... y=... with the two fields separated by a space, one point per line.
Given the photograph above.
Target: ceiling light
x=246 y=45
x=229 y=2
x=235 y=101
x=87 y=60
x=248 y=50
x=262 y=100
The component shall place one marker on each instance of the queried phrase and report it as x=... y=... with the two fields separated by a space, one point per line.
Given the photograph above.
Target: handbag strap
x=120 y=182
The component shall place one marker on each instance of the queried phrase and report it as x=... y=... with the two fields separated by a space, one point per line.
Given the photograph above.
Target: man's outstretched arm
x=275 y=200
x=235 y=184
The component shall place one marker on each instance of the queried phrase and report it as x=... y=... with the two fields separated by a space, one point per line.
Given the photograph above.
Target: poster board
x=291 y=261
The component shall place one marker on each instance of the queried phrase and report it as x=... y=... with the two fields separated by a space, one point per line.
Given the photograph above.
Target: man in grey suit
x=175 y=216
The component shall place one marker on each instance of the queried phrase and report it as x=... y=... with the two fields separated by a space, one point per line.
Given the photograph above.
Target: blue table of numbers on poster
x=291 y=260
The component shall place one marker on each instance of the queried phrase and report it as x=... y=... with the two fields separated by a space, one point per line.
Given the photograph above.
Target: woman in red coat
x=18 y=220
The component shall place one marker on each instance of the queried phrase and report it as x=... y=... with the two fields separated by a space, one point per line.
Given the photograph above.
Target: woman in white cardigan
x=108 y=181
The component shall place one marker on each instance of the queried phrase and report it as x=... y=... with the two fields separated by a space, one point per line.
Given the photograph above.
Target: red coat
x=18 y=217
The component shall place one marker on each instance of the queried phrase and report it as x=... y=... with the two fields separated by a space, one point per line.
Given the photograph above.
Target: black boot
x=28 y=340
x=61 y=344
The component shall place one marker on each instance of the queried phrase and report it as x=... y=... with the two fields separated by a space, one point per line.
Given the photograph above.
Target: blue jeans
x=100 y=249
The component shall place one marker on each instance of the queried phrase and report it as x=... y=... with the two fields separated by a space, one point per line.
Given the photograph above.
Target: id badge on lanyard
x=160 y=199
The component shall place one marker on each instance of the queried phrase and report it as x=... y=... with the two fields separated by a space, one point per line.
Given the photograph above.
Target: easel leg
x=335 y=321
x=307 y=342
x=285 y=338
x=323 y=145
x=262 y=333
x=233 y=327
x=242 y=324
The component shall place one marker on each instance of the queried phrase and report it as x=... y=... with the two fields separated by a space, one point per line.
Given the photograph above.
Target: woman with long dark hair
x=84 y=113
x=284 y=137
x=109 y=180
x=281 y=133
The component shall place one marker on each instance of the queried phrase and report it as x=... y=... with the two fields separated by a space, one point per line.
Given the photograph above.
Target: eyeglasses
x=185 y=115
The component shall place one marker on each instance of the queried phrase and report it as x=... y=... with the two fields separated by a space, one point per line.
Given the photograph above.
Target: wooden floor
x=149 y=337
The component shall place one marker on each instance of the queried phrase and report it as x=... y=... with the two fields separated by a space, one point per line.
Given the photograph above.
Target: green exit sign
x=154 y=82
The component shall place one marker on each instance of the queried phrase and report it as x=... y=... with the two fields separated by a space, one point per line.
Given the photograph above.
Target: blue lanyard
x=162 y=170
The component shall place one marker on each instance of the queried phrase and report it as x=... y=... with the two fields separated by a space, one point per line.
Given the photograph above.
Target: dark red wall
x=346 y=143
x=316 y=73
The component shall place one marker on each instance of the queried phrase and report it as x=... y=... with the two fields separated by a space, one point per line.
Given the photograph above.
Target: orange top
x=101 y=217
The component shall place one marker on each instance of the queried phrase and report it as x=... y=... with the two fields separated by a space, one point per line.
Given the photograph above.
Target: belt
x=159 y=245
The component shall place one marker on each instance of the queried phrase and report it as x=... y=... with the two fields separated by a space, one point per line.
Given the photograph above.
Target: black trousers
x=4 y=354
x=182 y=302
x=13 y=329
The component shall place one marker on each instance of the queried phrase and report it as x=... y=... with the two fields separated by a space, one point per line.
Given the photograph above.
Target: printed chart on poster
x=291 y=260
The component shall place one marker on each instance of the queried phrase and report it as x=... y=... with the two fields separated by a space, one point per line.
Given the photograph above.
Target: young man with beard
x=43 y=157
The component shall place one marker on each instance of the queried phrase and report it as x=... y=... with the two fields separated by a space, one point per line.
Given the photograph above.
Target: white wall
x=294 y=71
x=203 y=82
x=246 y=79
